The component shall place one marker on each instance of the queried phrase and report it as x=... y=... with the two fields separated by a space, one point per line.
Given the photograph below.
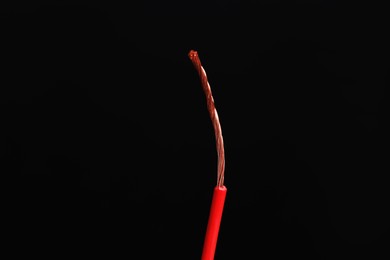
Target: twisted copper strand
x=193 y=55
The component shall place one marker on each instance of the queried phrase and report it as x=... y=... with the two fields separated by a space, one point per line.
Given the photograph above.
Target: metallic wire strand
x=193 y=55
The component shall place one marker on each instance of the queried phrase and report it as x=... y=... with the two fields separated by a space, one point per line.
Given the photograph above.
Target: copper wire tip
x=192 y=54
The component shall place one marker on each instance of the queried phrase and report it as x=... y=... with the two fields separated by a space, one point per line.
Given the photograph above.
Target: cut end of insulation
x=223 y=188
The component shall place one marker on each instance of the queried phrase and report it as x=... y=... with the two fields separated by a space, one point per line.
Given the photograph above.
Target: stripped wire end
x=194 y=57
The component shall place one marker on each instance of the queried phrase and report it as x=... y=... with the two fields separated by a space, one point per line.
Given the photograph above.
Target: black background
x=107 y=148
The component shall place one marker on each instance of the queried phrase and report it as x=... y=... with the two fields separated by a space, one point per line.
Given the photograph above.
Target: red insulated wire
x=219 y=193
x=210 y=242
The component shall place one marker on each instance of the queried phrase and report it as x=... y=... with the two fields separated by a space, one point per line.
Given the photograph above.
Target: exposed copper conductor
x=193 y=55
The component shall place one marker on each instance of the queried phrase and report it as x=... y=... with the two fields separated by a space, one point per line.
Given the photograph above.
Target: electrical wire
x=220 y=190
